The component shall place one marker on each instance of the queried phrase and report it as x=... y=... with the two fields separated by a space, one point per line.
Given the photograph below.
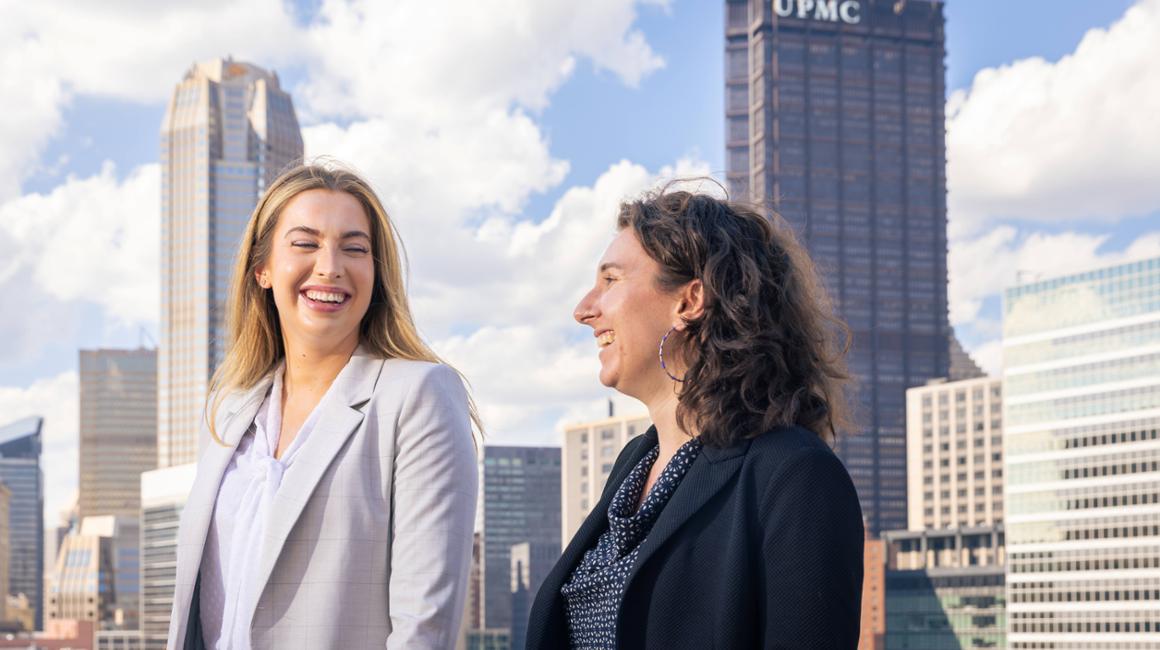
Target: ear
x=691 y=304
x=262 y=277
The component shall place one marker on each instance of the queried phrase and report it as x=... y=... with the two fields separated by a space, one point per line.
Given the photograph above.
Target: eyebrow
x=610 y=265
x=311 y=231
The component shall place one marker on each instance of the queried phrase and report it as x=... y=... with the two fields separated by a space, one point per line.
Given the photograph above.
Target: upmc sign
x=848 y=11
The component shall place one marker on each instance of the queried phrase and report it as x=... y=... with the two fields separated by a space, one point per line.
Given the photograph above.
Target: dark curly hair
x=768 y=349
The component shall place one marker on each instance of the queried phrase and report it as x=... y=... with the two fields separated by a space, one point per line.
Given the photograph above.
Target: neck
x=663 y=412
x=312 y=366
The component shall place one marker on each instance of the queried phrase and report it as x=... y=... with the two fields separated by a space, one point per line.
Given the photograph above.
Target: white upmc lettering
x=848 y=11
x=851 y=12
x=826 y=10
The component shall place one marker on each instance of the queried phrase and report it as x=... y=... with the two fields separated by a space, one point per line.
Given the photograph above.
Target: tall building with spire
x=228 y=132
x=834 y=117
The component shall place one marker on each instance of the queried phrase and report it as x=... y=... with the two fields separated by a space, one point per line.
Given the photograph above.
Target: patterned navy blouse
x=592 y=594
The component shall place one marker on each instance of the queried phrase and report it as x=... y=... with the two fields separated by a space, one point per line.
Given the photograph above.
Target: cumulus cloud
x=90 y=240
x=56 y=400
x=519 y=305
x=126 y=49
x=1011 y=258
x=1071 y=139
x=437 y=62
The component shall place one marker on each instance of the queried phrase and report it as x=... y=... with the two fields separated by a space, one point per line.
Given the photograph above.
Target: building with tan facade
x=587 y=456
x=229 y=130
x=954 y=454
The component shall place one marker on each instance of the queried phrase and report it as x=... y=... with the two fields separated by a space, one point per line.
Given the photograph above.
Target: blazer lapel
x=709 y=473
x=339 y=417
x=239 y=414
x=585 y=538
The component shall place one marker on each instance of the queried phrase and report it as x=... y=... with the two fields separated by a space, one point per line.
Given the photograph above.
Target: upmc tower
x=834 y=116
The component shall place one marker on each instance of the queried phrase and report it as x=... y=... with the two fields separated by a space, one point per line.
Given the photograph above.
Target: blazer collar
x=709 y=473
x=339 y=416
x=585 y=538
x=236 y=413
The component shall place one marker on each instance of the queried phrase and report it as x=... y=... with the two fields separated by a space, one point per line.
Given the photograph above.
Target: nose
x=328 y=263
x=586 y=308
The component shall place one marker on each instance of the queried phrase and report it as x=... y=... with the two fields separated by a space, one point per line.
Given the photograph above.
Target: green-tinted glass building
x=944 y=589
x=1081 y=379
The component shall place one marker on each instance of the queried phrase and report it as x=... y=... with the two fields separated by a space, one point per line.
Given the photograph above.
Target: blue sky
x=598 y=101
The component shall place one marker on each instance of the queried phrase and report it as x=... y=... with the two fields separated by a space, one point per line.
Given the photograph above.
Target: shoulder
x=787 y=459
x=404 y=377
x=419 y=382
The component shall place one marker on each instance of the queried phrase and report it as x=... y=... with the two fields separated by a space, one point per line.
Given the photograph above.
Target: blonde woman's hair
x=254 y=347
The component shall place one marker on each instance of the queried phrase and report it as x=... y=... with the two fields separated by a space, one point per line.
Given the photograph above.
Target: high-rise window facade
x=589 y=452
x=1082 y=446
x=954 y=444
x=20 y=447
x=228 y=132
x=521 y=504
x=834 y=117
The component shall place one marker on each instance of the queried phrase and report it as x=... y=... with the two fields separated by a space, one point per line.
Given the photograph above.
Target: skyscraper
x=589 y=451
x=83 y=586
x=20 y=446
x=521 y=503
x=1081 y=381
x=834 y=116
x=954 y=442
x=163 y=495
x=228 y=132
x=118 y=429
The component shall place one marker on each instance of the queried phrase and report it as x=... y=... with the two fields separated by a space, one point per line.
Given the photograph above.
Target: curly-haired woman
x=730 y=523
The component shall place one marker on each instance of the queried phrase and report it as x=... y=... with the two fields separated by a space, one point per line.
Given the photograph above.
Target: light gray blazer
x=369 y=542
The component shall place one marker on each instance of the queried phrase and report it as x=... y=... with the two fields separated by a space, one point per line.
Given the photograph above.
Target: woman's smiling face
x=629 y=314
x=321 y=270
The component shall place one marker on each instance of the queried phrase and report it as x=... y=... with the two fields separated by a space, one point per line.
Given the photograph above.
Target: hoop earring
x=661 y=354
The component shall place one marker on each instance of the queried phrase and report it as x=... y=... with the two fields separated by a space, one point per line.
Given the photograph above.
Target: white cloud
x=439 y=62
x=532 y=366
x=55 y=399
x=1073 y=139
x=983 y=267
x=92 y=240
x=51 y=52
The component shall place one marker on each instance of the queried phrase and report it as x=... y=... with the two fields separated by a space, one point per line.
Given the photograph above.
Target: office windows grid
x=1079 y=387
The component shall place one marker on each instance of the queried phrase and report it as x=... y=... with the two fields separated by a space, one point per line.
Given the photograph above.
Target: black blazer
x=759 y=547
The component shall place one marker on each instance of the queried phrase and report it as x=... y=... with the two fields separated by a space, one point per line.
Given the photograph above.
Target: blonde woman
x=335 y=495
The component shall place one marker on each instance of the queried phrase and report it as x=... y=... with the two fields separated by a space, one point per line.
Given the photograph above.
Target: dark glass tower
x=521 y=504
x=834 y=117
x=20 y=447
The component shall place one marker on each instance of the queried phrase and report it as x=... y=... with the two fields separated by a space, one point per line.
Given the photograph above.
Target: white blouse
x=229 y=589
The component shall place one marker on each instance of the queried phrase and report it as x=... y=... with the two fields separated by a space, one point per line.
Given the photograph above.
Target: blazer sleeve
x=812 y=541
x=435 y=486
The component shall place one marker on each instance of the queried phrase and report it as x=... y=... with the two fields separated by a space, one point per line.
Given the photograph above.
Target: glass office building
x=944 y=589
x=1081 y=378
x=163 y=496
x=228 y=132
x=521 y=503
x=20 y=447
x=834 y=117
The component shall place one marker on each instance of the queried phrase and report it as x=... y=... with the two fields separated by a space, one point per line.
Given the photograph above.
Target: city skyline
x=545 y=197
